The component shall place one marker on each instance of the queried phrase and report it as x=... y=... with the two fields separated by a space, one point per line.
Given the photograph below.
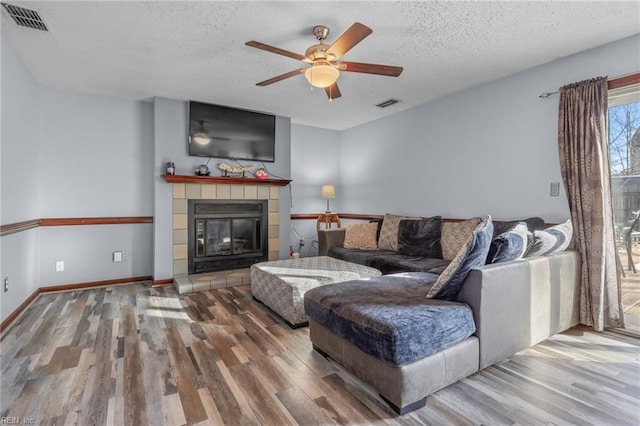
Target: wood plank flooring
x=138 y=355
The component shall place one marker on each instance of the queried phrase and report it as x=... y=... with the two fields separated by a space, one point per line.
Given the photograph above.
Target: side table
x=327 y=219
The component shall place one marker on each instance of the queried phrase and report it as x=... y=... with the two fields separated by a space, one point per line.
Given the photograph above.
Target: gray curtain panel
x=584 y=163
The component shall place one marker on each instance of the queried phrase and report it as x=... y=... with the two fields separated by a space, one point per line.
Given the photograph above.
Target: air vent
x=25 y=17
x=387 y=103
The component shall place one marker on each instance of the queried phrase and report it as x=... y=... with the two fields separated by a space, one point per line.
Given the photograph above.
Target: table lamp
x=328 y=192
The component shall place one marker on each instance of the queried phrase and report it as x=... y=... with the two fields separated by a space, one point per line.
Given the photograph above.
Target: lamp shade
x=321 y=75
x=328 y=191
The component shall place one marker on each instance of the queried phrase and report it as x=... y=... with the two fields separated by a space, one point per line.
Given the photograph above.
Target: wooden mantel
x=224 y=180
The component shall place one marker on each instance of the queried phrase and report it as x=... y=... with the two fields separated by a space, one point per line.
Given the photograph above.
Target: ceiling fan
x=325 y=59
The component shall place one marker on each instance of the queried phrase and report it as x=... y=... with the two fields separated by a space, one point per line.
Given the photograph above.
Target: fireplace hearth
x=226 y=234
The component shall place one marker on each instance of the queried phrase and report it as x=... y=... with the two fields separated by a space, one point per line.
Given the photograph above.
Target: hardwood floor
x=137 y=355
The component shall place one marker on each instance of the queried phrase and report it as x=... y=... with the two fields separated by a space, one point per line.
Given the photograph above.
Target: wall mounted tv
x=223 y=132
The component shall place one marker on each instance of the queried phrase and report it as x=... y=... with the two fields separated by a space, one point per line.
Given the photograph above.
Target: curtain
x=584 y=163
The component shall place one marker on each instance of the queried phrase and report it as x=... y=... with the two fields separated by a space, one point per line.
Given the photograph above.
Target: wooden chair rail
x=12 y=228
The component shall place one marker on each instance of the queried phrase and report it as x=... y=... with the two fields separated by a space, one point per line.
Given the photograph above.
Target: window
x=624 y=157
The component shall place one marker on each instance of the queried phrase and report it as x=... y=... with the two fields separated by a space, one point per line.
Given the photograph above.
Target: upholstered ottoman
x=281 y=284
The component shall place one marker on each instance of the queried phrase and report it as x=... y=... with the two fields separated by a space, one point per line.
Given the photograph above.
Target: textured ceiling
x=195 y=50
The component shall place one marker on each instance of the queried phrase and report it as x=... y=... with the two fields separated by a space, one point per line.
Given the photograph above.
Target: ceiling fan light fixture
x=325 y=60
x=201 y=137
x=321 y=75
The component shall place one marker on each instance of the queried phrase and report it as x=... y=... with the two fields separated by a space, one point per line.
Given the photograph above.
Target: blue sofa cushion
x=551 y=240
x=420 y=237
x=510 y=245
x=533 y=224
x=473 y=254
x=389 y=317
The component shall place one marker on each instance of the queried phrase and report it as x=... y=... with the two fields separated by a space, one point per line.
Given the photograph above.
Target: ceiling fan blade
x=273 y=49
x=281 y=77
x=388 y=70
x=333 y=92
x=354 y=35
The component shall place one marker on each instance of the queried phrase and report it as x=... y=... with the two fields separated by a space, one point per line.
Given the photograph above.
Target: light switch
x=555 y=189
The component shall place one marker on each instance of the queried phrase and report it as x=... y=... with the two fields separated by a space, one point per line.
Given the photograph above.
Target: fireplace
x=226 y=234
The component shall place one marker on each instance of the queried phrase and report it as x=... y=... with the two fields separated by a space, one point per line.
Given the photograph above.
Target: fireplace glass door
x=226 y=234
x=225 y=237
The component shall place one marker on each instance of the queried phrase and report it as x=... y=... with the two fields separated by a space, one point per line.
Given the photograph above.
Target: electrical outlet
x=554 y=189
x=6 y=284
x=117 y=256
x=59 y=266
x=125 y=255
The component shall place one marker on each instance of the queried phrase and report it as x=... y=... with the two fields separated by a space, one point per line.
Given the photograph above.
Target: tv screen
x=223 y=132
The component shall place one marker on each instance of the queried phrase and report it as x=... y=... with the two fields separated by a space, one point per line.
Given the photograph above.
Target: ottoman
x=281 y=284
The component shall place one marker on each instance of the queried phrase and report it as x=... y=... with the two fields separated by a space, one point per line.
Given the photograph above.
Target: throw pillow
x=420 y=237
x=379 y=223
x=388 y=239
x=361 y=236
x=551 y=240
x=455 y=234
x=533 y=224
x=473 y=254
x=510 y=245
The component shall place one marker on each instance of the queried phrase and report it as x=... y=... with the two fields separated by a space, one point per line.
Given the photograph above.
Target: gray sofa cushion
x=356 y=256
x=472 y=255
x=420 y=237
x=510 y=245
x=389 y=317
x=389 y=262
x=395 y=263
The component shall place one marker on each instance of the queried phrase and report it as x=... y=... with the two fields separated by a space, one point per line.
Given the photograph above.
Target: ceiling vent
x=387 y=103
x=25 y=17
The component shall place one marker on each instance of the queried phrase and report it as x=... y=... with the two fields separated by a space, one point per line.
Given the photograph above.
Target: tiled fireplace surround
x=182 y=192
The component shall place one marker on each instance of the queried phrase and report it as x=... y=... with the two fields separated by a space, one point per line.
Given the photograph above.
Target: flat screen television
x=224 y=132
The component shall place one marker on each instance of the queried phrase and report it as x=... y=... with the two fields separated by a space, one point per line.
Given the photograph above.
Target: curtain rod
x=547 y=94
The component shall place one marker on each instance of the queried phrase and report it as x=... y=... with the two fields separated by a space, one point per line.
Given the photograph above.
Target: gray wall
x=95 y=161
x=170 y=144
x=169 y=127
x=67 y=154
x=314 y=154
x=95 y=155
x=487 y=150
x=19 y=179
x=87 y=252
x=20 y=139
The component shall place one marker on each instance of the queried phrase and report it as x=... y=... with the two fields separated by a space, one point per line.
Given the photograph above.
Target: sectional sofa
x=387 y=332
